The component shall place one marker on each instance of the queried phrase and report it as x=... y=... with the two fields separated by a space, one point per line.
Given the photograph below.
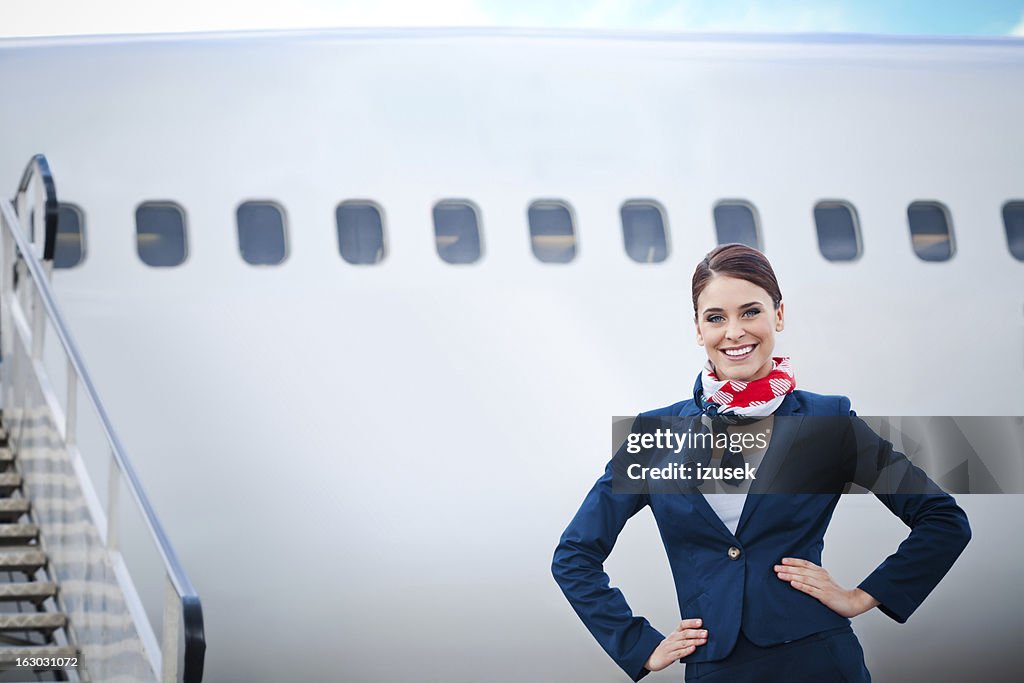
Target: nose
x=735 y=330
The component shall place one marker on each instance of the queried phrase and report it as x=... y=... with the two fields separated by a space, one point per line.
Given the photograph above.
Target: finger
x=689 y=636
x=808 y=581
x=816 y=572
x=820 y=579
x=688 y=623
x=817 y=581
x=797 y=562
x=806 y=588
x=682 y=652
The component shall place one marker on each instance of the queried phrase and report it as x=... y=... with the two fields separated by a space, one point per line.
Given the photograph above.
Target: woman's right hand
x=680 y=643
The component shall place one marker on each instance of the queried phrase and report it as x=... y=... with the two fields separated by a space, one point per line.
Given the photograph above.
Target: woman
x=755 y=602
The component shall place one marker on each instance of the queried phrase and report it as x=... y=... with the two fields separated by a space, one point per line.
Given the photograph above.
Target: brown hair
x=738 y=261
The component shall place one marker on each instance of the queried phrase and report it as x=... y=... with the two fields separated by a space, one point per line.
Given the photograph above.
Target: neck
x=764 y=371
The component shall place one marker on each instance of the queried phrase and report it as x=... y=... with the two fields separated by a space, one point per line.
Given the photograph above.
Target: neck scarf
x=733 y=400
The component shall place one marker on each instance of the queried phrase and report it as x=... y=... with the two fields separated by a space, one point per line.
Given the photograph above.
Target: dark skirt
x=830 y=656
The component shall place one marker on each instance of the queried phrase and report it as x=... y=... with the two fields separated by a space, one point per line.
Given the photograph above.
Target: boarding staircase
x=90 y=587
x=35 y=642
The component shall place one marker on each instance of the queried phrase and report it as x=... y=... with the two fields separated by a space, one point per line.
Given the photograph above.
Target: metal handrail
x=39 y=166
x=192 y=614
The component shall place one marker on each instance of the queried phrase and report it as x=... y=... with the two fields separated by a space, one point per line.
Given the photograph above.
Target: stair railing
x=28 y=309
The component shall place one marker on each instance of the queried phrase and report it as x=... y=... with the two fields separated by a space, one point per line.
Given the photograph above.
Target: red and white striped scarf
x=757 y=398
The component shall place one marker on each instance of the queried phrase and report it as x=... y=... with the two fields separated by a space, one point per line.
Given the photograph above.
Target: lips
x=739 y=352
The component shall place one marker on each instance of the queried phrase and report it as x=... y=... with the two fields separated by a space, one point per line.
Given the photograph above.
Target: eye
x=716 y=318
x=751 y=312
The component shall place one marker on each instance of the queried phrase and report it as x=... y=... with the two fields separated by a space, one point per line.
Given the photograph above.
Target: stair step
x=33 y=621
x=34 y=591
x=10 y=655
x=22 y=560
x=6 y=455
x=9 y=481
x=11 y=534
x=13 y=508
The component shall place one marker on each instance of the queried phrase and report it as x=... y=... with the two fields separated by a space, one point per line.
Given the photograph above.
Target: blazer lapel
x=701 y=505
x=783 y=434
x=695 y=497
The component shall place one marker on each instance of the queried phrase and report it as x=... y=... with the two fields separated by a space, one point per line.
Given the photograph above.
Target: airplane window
x=67 y=252
x=70 y=237
x=551 y=232
x=735 y=221
x=1013 y=220
x=261 y=233
x=360 y=232
x=160 y=233
x=838 y=231
x=930 y=231
x=643 y=230
x=456 y=231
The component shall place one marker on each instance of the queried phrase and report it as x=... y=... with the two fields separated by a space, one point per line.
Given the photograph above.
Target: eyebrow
x=722 y=310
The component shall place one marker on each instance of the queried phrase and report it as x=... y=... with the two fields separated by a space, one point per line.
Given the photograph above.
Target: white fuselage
x=366 y=469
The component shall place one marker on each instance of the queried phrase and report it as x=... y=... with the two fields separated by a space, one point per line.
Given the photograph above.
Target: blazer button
x=734 y=553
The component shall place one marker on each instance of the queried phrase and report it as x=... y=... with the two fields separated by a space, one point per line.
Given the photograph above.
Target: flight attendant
x=755 y=602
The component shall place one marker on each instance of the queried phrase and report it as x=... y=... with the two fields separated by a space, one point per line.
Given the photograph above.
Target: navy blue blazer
x=731 y=591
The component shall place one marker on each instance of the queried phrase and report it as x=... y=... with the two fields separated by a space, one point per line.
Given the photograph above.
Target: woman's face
x=736 y=325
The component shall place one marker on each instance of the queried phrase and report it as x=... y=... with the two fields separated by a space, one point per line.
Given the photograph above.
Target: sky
x=897 y=17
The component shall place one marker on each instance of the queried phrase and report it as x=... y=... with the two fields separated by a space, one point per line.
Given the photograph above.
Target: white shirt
x=729 y=506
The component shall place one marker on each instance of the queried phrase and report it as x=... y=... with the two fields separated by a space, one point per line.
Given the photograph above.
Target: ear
x=700 y=337
x=780 y=318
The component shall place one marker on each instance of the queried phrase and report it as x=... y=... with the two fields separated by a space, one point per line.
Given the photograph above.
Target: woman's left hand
x=818 y=583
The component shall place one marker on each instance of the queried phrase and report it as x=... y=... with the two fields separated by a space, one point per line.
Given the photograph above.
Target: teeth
x=739 y=352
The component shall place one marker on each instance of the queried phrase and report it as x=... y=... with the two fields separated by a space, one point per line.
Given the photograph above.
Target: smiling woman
x=754 y=621
x=738 y=309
